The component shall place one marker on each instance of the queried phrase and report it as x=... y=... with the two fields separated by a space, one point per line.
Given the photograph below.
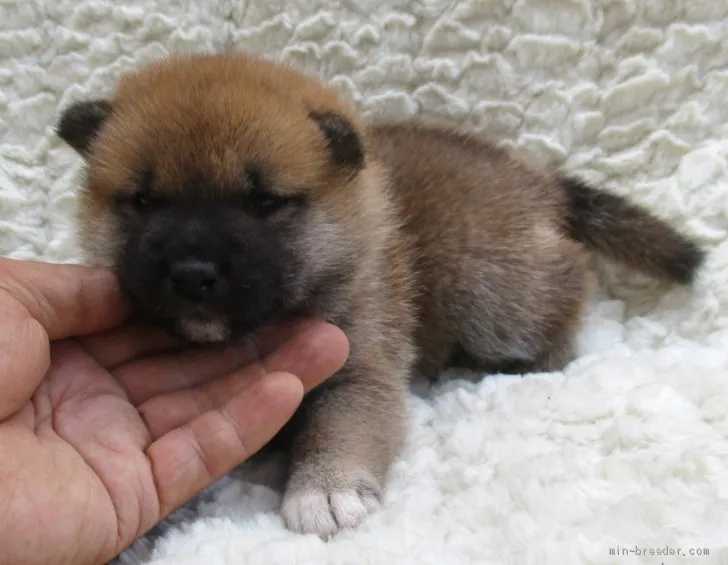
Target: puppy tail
x=629 y=234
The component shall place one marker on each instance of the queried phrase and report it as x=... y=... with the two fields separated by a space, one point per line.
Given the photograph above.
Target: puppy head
x=221 y=189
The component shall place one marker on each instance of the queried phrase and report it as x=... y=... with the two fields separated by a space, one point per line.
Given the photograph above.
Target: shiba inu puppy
x=229 y=191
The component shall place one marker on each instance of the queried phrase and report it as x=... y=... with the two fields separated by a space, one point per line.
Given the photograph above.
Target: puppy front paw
x=322 y=502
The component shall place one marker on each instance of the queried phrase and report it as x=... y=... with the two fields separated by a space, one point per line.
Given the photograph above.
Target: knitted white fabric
x=628 y=448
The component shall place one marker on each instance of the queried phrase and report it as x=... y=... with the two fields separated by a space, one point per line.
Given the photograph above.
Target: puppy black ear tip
x=343 y=140
x=79 y=122
x=63 y=124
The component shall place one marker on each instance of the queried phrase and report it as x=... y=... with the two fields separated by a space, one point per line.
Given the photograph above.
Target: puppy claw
x=325 y=511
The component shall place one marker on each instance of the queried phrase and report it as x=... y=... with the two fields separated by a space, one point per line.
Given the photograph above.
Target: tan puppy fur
x=229 y=192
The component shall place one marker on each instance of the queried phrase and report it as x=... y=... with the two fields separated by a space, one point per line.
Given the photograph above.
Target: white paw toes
x=325 y=511
x=349 y=507
x=308 y=512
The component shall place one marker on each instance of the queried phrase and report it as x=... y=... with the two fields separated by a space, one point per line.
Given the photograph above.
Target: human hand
x=105 y=427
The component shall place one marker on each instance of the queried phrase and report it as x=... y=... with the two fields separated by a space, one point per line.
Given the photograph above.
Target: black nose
x=193 y=280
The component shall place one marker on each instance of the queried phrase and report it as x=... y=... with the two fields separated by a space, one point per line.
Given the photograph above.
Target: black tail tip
x=686 y=263
x=630 y=234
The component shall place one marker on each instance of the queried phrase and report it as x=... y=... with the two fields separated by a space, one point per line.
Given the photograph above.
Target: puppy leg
x=351 y=430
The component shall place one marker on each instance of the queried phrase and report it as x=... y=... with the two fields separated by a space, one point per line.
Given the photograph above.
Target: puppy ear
x=81 y=122
x=345 y=143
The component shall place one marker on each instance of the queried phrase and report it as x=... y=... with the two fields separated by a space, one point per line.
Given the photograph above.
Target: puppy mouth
x=203 y=329
x=191 y=324
x=205 y=323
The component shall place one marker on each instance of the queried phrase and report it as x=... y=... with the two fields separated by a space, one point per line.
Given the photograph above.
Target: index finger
x=312 y=356
x=147 y=377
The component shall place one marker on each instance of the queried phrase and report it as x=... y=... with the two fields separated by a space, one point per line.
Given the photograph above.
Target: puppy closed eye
x=142 y=199
x=264 y=204
x=259 y=201
x=138 y=202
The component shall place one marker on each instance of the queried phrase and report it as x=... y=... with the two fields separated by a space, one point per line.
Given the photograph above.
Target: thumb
x=67 y=300
x=40 y=303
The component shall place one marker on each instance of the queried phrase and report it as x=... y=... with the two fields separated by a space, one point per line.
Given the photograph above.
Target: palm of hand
x=82 y=430
x=110 y=443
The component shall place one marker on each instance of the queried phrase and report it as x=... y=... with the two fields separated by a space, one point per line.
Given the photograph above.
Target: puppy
x=228 y=192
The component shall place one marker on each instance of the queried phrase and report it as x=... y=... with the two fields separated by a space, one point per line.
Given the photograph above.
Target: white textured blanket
x=628 y=448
